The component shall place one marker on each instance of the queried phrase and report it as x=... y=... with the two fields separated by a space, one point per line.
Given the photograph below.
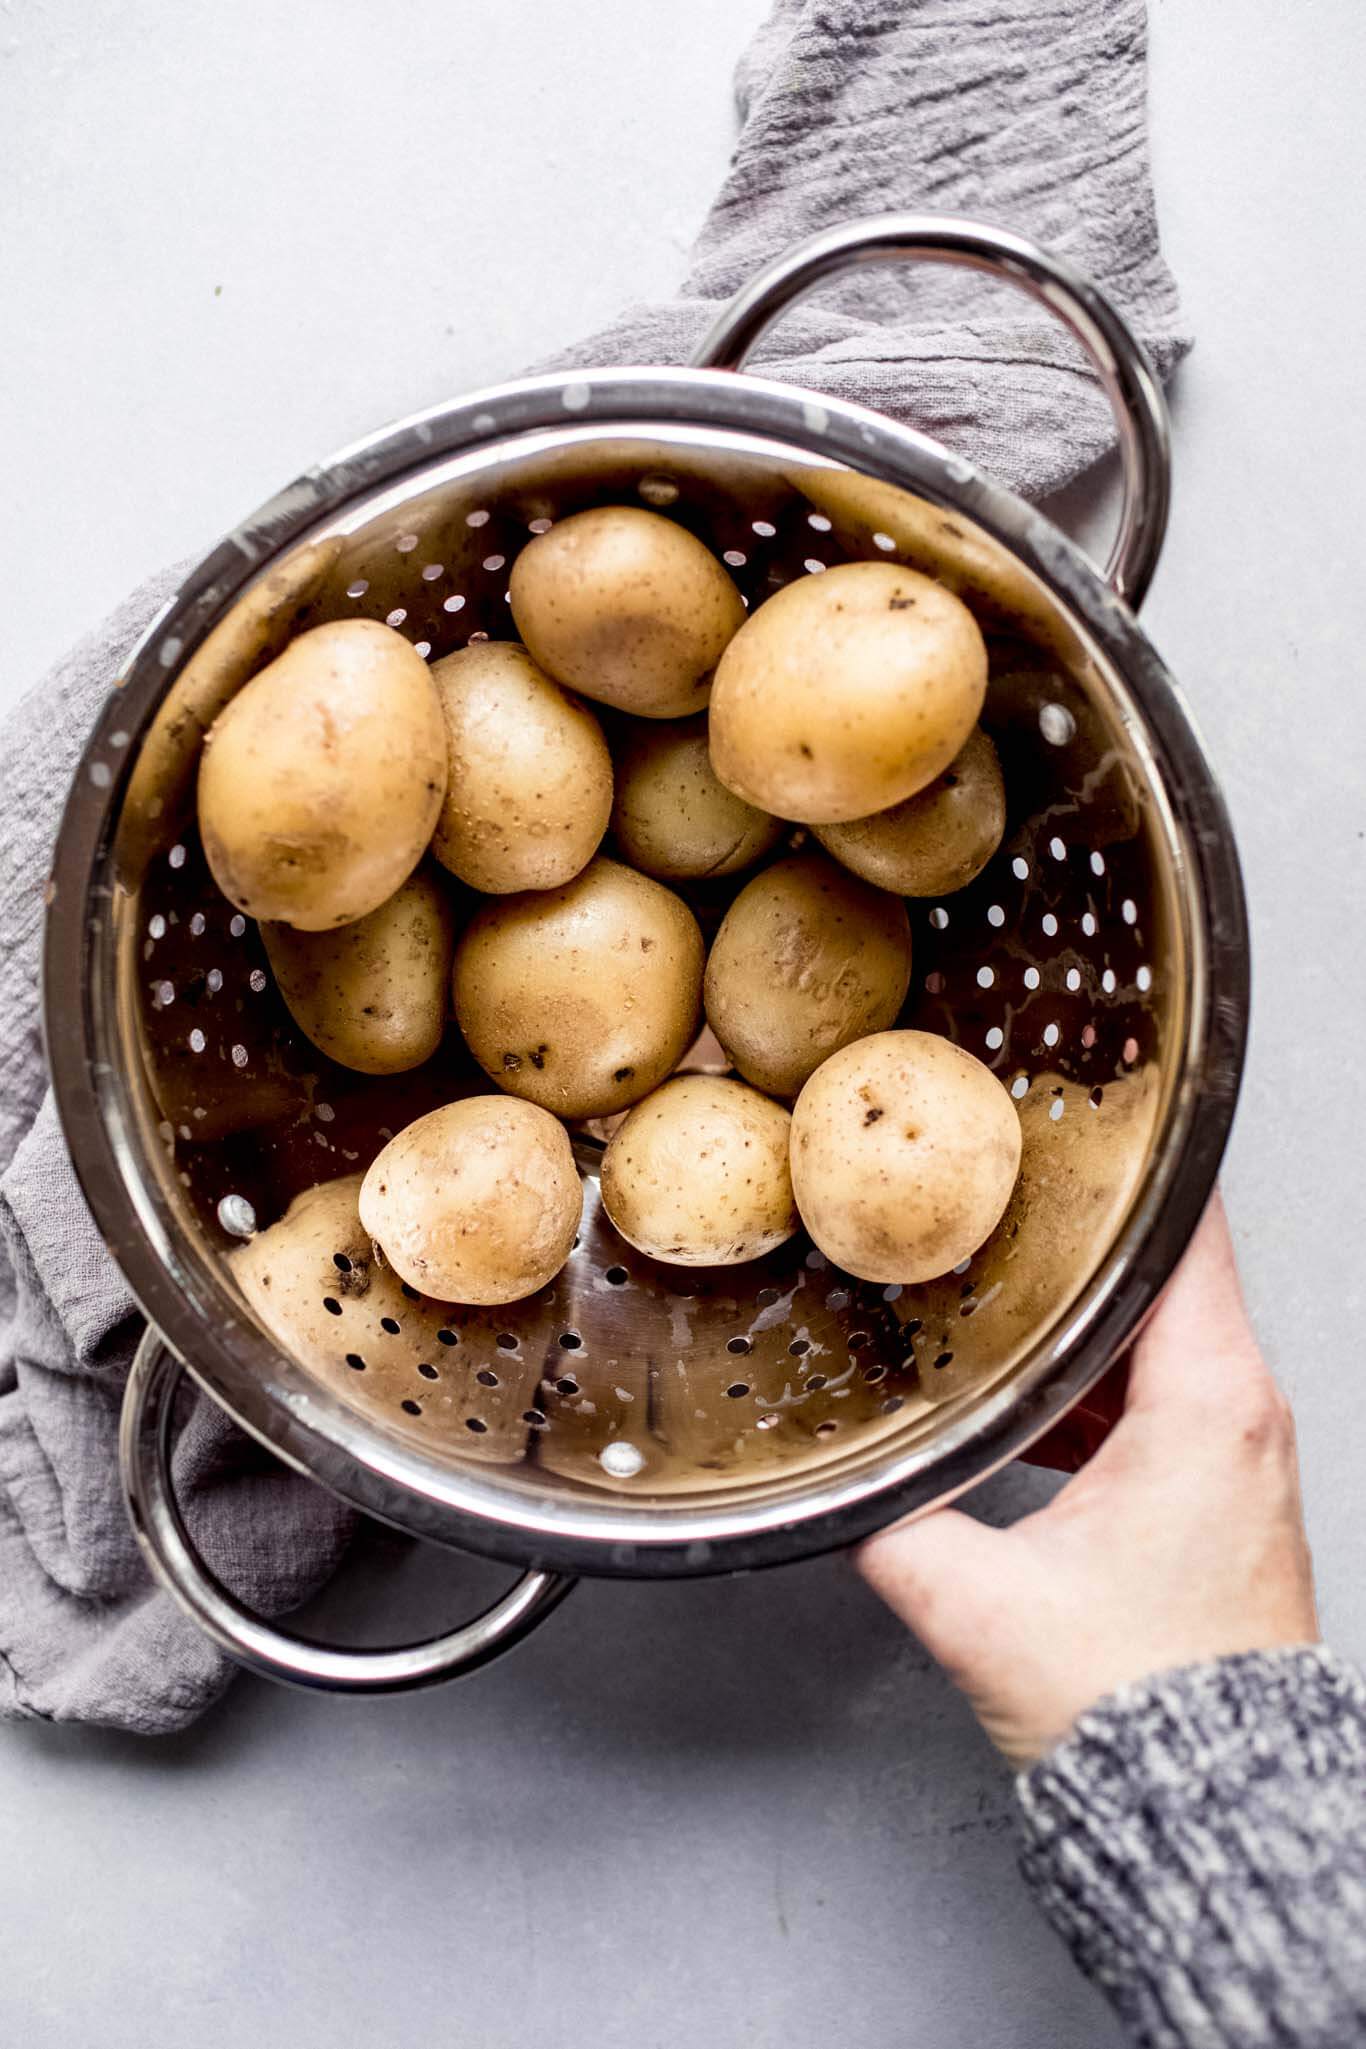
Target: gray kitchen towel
x=1030 y=116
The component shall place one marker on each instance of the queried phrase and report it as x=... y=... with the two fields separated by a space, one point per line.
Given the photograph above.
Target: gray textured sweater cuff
x=1200 y=1844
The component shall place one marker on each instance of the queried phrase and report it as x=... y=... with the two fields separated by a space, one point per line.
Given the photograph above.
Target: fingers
x=1179 y=1541
x=942 y=1575
x=1198 y=1345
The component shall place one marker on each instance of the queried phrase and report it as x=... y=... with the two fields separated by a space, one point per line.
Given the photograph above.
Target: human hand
x=1182 y=1539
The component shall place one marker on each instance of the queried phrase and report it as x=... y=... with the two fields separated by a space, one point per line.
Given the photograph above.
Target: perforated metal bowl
x=635 y=1418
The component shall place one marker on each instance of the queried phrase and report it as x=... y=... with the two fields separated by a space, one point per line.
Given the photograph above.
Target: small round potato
x=372 y=995
x=846 y=693
x=627 y=607
x=939 y=839
x=672 y=818
x=698 y=1174
x=807 y=959
x=476 y=1202
x=905 y=1150
x=315 y=1282
x=581 y=999
x=321 y=782
x=530 y=787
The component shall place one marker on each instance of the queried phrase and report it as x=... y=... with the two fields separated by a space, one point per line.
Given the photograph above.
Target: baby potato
x=321 y=782
x=627 y=607
x=698 y=1174
x=807 y=959
x=582 y=998
x=288 y=1271
x=672 y=818
x=939 y=839
x=530 y=786
x=846 y=693
x=905 y=1150
x=372 y=995
x=376 y=1344
x=476 y=1202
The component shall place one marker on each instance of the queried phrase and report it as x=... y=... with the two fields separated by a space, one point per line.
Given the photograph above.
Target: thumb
x=947 y=1576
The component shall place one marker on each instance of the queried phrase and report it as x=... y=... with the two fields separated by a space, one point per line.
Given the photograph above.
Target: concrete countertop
x=688 y=1815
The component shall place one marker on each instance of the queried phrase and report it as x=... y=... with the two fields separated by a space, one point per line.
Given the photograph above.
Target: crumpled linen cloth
x=1032 y=117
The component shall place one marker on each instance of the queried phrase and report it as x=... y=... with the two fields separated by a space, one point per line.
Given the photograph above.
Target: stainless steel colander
x=635 y=1418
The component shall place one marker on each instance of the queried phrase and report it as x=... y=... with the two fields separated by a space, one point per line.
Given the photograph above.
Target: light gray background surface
x=689 y=1816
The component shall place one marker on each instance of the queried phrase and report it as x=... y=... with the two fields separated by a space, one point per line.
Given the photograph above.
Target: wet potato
x=626 y=607
x=938 y=840
x=530 y=785
x=698 y=1174
x=379 y=1343
x=846 y=693
x=672 y=818
x=581 y=999
x=159 y=803
x=321 y=782
x=477 y=1202
x=905 y=1150
x=807 y=959
x=372 y=995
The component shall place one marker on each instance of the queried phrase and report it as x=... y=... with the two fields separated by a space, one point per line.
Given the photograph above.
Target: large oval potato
x=807 y=959
x=846 y=693
x=627 y=607
x=321 y=782
x=372 y=995
x=581 y=999
x=698 y=1174
x=939 y=839
x=476 y=1202
x=672 y=818
x=904 y=1152
x=530 y=785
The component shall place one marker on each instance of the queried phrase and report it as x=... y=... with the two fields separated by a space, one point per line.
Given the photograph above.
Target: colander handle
x=1117 y=355
x=145 y=1459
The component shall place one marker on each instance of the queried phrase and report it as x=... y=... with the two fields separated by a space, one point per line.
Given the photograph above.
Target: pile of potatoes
x=409 y=837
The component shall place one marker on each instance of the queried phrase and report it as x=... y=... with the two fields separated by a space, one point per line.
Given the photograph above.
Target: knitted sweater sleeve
x=1199 y=1842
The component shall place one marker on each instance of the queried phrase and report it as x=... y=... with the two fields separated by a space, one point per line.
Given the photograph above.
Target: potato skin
x=530 y=785
x=626 y=607
x=287 y=1271
x=1077 y=1178
x=159 y=803
x=672 y=819
x=581 y=999
x=476 y=1202
x=807 y=959
x=377 y=1345
x=321 y=782
x=846 y=693
x=905 y=1150
x=372 y=995
x=938 y=840
x=698 y=1174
